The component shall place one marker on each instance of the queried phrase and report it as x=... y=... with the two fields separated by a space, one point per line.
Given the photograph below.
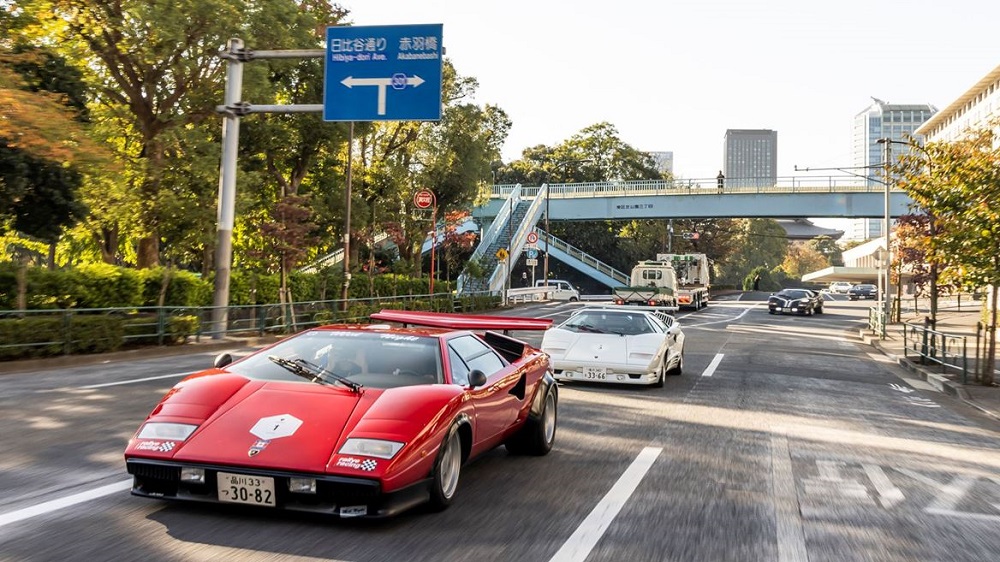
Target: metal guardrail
x=700 y=186
x=950 y=351
x=152 y=325
x=876 y=320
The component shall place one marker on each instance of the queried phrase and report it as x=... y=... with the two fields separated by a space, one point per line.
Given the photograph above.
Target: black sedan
x=795 y=301
x=862 y=291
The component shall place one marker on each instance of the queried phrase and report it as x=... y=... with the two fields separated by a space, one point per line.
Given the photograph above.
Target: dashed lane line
x=582 y=541
x=63 y=503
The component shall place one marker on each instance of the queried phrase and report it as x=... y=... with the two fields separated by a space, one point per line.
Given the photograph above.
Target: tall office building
x=751 y=158
x=882 y=120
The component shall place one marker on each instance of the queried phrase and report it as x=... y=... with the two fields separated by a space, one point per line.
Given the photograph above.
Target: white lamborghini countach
x=624 y=346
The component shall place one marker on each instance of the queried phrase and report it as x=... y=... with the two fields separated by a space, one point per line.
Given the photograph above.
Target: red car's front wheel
x=447 y=468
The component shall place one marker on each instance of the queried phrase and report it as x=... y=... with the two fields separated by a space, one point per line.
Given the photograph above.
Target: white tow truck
x=692 y=278
x=653 y=283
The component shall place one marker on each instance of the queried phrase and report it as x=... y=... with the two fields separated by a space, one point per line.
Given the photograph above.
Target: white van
x=560 y=290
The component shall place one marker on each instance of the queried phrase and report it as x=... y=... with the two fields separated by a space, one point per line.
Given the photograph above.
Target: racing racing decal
x=159 y=446
x=273 y=427
x=366 y=465
x=257 y=447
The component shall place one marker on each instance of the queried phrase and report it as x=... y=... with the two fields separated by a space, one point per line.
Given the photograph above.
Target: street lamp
x=887 y=144
x=930 y=172
x=880 y=255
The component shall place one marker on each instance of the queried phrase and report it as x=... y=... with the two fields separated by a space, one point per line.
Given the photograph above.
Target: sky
x=673 y=75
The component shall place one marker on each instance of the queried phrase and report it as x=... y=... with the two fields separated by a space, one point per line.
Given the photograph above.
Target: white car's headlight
x=162 y=430
x=371 y=448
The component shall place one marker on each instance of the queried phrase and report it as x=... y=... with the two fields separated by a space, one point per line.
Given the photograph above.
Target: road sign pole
x=227 y=191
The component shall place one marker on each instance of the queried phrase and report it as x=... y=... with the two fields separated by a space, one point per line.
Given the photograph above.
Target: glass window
x=459 y=370
x=476 y=354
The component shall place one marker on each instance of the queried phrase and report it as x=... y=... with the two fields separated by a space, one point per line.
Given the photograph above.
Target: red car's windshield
x=377 y=360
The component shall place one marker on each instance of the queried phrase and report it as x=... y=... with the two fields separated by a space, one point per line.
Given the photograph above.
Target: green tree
x=802 y=259
x=829 y=249
x=756 y=242
x=958 y=183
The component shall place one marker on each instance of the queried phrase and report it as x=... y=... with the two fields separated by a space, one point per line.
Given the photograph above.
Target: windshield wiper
x=314 y=373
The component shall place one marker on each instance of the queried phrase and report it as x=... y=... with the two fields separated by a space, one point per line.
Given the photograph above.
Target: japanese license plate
x=597 y=373
x=240 y=488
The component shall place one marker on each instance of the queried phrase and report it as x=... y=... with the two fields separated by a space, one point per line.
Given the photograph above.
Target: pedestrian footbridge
x=515 y=210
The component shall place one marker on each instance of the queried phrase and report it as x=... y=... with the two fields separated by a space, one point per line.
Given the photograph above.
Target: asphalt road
x=785 y=439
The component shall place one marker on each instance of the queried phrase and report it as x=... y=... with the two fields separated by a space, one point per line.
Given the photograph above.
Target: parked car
x=840 y=287
x=350 y=420
x=863 y=291
x=560 y=290
x=616 y=346
x=795 y=301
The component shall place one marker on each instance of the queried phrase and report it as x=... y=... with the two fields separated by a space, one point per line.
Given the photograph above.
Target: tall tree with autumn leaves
x=958 y=184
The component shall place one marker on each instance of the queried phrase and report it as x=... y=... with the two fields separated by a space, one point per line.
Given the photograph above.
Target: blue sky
x=674 y=75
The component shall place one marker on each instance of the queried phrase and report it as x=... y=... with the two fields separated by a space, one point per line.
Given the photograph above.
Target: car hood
x=585 y=348
x=278 y=425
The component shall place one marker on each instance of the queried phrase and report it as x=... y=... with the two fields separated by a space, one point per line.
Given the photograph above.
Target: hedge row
x=107 y=286
x=100 y=333
x=84 y=334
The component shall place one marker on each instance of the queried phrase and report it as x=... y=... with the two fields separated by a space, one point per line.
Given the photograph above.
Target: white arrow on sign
x=397 y=82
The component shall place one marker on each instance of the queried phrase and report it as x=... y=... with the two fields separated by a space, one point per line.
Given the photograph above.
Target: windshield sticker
x=274 y=427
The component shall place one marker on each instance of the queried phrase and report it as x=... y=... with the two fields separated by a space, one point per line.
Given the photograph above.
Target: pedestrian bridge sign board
x=383 y=73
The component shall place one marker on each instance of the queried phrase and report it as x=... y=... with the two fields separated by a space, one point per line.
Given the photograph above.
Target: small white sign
x=531 y=262
x=273 y=427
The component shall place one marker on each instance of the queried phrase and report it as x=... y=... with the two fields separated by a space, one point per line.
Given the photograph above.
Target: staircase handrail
x=562 y=245
x=519 y=238
x=336 y=256
x=490 y=234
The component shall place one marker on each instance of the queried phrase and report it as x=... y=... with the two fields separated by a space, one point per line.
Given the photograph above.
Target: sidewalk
x=984 y=398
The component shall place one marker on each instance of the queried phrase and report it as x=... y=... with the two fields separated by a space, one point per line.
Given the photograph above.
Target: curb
x=943 y=384
x=22 y=365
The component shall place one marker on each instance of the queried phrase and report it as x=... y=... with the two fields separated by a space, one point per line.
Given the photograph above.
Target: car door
x=497 y=402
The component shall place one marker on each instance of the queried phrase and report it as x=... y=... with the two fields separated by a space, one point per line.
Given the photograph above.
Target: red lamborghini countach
x=350 y=420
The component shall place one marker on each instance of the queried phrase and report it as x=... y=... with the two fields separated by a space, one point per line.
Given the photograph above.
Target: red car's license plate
x=240 y=488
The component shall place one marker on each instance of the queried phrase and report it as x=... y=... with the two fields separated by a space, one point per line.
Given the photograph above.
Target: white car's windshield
x=608 y=322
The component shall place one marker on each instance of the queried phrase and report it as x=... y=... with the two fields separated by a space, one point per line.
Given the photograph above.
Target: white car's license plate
x=240 y=488
x=598 y=373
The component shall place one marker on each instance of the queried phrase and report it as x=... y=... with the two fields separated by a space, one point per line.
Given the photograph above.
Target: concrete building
x=972 y=110
x=881 y=120
x=750 y=158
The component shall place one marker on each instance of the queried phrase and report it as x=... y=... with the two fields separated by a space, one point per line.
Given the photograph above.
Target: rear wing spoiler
x=461 y=321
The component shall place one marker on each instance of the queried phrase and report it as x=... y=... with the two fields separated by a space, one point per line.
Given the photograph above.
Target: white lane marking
x=791 y=540
x=68 y=501
x=583 y=540
x=733 y=319
x=964 y=515
x=710 y=370
x=888 y=494
x=132 y=381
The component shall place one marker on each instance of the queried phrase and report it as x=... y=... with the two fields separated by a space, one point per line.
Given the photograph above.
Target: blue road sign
x=532 y=253
x=383 y=73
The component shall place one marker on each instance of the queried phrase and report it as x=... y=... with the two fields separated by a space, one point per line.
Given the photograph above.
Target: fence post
x=923 y=347
x=160 y=325
x=965 y=360
x=67 y=332
x=979 y=332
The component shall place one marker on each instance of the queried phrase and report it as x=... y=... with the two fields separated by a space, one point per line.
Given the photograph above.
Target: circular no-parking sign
x=423 y=199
